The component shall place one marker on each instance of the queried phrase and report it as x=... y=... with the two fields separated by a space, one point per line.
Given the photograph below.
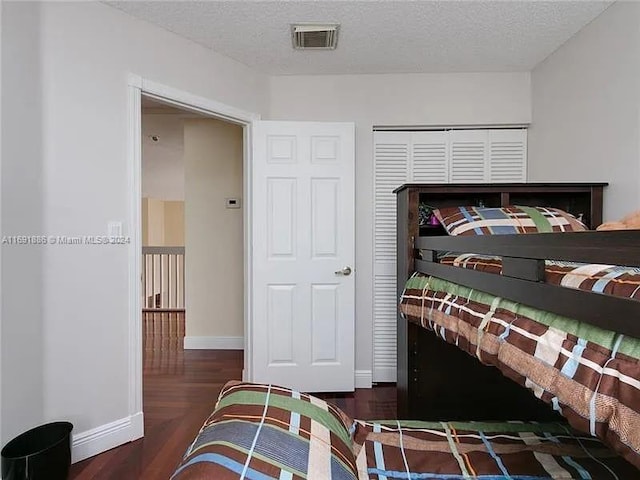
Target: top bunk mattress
x=608 y=279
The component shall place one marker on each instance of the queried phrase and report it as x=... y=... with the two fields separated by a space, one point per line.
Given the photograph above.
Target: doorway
x=196 y=109
x=325 y=164
x=163 y=230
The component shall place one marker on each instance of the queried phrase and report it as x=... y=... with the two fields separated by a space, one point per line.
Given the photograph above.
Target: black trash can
x=42 y=453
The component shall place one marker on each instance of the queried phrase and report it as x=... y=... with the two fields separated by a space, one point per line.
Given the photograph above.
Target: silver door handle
x=346 y=271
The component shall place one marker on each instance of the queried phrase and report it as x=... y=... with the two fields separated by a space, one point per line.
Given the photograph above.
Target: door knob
x=346 y=271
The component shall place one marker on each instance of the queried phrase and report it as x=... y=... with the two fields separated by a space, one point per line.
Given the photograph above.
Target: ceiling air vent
x=315 y=36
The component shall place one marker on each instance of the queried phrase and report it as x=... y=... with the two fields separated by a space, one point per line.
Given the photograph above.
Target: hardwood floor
x=180 y=389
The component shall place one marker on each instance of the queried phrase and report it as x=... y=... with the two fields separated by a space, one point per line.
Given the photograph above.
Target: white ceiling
x=378 y=36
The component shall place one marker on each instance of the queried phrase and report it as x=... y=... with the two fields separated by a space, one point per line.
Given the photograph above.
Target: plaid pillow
x=267 y=431
x=506 y=220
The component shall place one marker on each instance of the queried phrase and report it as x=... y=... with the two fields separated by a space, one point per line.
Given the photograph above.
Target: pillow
x=271 y=432
x=506 y=220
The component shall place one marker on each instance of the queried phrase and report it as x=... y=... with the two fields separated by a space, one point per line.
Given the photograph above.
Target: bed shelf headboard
x=583 y=199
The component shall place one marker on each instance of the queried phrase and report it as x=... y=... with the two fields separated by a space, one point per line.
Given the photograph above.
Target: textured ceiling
x=377 y=36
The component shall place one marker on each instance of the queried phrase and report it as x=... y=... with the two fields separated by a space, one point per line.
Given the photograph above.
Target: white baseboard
x=364 y=378
x=105 y=437
x=214 y=343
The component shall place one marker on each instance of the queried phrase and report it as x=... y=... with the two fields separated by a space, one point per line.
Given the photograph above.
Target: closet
x=428 y=157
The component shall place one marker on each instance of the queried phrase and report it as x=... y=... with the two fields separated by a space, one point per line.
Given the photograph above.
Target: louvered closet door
x=507 y=155
x=400 y=157
x=429 y=157
x=392 y=151
x=453 y=156
x=469 y=156
x=391 y=163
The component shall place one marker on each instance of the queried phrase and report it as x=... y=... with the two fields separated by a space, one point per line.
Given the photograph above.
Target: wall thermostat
x=232 y=202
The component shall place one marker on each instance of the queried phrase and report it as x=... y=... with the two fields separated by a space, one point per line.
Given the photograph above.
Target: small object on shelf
x=425 y=215
x=434 y=220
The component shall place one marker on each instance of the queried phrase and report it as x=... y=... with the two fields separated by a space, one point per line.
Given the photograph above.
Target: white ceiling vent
x=315 y=36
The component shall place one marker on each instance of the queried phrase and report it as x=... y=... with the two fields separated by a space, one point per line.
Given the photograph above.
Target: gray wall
x=21 y=214
x=585 y=107
x=65 y=310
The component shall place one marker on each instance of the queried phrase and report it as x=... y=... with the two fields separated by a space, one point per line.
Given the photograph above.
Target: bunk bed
x=458 y=418
x=495 y=302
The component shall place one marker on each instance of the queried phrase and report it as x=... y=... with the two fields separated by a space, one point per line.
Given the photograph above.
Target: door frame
x=137 y=87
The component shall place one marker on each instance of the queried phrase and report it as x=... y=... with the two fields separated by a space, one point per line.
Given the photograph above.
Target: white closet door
x=507 y=155
x=392 y=152
x=468 y=156
x=429 y=159
x=400 y=157
x=454 y=156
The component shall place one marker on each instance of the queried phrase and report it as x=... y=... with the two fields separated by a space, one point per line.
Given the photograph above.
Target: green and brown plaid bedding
x=264 y=432
x=590 y=375
x=488 y=451
x=608 y=279
x=267 y=432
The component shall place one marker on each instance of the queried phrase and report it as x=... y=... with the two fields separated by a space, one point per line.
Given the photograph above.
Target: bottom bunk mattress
x=388 y=450
x=267 y=432
x=589 y=375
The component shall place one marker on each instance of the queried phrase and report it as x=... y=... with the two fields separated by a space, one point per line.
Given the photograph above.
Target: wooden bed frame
x=436 y=380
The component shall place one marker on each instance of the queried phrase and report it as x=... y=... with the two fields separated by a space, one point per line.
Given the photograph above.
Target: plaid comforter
x=261 y=432
x=609 y=279
x=489 y=451
x=591 y=376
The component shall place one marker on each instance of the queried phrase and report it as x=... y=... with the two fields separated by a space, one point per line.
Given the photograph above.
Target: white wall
x=214 y=275
x=69 y=304
x=417 y=99
x=162 y=161
x=22 y=214
x=585 y=107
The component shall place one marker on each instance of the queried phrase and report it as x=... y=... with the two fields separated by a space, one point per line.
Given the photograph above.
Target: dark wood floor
x=180 y=389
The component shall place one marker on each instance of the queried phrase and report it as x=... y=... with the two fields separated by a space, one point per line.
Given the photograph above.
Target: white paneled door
x=302 y=329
